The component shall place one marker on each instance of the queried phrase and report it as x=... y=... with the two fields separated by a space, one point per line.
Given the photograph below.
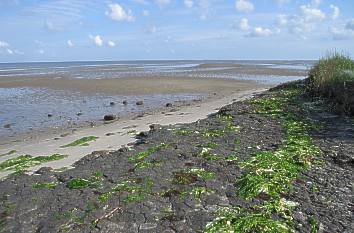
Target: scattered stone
x=169 y=105
x=110 y=134
x=112 y=103
x=125 y=102
x=139 y=102
x=7 y=126
x=79 y=113
x=109 y=117
x=50 y=115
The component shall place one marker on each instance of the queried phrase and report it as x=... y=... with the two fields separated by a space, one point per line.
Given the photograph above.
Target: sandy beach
x=114 y=135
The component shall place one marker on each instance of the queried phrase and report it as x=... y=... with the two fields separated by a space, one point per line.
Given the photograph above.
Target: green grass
x=81 y=142
x=333 y=77
x=24 y=162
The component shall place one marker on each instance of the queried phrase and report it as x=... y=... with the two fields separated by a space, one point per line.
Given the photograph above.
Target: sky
x=80 y=30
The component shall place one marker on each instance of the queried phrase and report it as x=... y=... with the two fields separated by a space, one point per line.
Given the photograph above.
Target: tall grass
x=333 y=77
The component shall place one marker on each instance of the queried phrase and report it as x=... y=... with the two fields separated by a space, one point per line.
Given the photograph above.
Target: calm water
x=27 y=109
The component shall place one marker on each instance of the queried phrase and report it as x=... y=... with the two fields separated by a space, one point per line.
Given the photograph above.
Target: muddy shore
x=175 y=178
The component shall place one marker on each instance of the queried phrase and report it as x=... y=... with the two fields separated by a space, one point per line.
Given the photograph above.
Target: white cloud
x=316 y=3
x=341 y=34
x=111 y=43
x=162 y=3
x=146 y=13
x=9 y=51
x=4 y=44
x=260 y=32
x=243 y=24
x=336 y=12
x=282 y=20
x=70 y=43
x=97 y=40
x=204 y=8
x=312 y=14
x=189 y=3
x=244 y=6
x=350 y=25
x=118 y=13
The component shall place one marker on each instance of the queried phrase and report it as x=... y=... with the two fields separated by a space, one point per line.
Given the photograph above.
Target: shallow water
x=26 y=109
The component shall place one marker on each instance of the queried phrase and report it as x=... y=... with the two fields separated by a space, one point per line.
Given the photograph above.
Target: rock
x=125 y=102
x=139 y=102
x=7 y=126
x=168 y=105
x=79 y=113
x=44 y=170
x=110 y=134
x=50 y=115
x=109 y=117
x=112 y=103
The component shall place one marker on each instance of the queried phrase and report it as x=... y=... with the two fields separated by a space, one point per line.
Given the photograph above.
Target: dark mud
x=175 y=178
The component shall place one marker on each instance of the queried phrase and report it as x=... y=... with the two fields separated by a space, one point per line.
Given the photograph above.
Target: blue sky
x=64 y=30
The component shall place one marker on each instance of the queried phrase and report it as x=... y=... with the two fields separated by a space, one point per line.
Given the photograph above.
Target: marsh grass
x=23 y=162
x=81 y=142
x=333 y=77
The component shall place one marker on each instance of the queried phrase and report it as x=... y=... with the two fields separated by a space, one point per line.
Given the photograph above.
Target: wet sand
x=113 y=136
x=131 y=86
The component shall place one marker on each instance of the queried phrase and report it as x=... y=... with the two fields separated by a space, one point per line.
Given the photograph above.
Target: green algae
x=81 y=142
x=142 y=155
x=271 y=174
x=11 y=152
x=23 y=162
x=94 y=181
x=46 y=185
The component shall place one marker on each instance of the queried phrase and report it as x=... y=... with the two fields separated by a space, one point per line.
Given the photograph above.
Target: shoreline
x=120 y=132
x=203 y=176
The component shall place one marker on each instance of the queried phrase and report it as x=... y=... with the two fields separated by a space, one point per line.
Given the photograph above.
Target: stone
x=125 y=102
x=139 y=102
x=112 y=103
x=109 y=117
x=168 y=105
x=50 y=115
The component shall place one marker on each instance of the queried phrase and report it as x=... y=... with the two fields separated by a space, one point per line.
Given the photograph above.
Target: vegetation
x=45 y=185
x=333 y=77
x=81 y=142
x=94 y=181
x=23 y=162
x=9 y=153
x=269 y=175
